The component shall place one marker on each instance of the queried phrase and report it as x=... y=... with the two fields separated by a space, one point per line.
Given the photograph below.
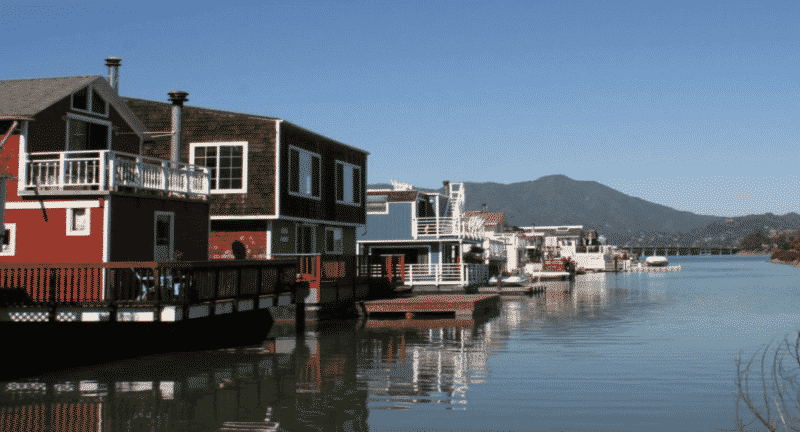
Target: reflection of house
x=427 y=228
x=84 y=192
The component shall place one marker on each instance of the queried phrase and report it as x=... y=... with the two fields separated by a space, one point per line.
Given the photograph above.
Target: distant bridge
x=680 y=250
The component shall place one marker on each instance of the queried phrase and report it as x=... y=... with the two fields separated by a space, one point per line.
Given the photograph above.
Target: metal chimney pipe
x=177 y=98
x=113 y=64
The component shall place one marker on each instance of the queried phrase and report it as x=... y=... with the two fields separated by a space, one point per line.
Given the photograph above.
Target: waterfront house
x=277 y=190
x=428 y=229
x=80 y=189
x=573 y=242
x=504 y=244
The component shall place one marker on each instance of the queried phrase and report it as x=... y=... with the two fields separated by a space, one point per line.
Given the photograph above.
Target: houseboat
x=429 y=231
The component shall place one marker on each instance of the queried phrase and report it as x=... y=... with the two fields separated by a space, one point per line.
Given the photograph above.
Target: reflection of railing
x=446 y=274
x=109 y=170
x=143 y=283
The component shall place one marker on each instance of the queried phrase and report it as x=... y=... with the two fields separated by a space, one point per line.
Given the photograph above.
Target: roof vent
x=177 y=97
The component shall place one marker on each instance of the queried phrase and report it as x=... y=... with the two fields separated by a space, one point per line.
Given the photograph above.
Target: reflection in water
x=610 y=351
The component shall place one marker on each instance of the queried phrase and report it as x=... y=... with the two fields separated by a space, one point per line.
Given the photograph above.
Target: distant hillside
x=623 y=219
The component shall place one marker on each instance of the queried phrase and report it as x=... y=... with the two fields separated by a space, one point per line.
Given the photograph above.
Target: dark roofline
x=52 y=78
x=253 y=116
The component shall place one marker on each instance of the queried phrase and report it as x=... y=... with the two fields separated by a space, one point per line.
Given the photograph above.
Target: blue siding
x=393 y=226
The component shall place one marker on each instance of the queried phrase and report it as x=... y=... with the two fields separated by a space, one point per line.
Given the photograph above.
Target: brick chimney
x=177 y=98
x=113 y=64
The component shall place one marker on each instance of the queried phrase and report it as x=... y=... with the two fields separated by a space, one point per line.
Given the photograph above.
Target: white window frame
x=11 y=250
x=338 y=248
x=71 y=215
x=71 y=116
x=218 y=144
x=347 y=174
x=89 y=101
x=304 y=186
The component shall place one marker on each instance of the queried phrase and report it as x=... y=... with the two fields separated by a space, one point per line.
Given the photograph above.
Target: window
x=378 y=204
x=304 y=173
x=334 y=243
x=348 y=183
x=8 y=247
x=78 y=221
x=226 y=163
x=84 y=133
x=87 y=99
x=306 y=238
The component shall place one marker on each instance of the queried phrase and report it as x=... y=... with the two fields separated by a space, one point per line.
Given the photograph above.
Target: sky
x=690 y=104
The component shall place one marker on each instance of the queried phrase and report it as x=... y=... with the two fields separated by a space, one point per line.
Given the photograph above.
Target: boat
x=656 y=261
x=516 y=280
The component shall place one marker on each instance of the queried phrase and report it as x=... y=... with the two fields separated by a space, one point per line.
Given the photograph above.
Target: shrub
x=786 y=256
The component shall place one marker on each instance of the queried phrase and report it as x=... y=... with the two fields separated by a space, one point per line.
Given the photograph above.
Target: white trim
x=268 y=249
x=352 y=167
x=88 y=119
x=171 y=215
x=26 y=205
x=87 y=230
x=289 y=185
x=278 y=167
x=106 y=229
x=288 y=218
x=12 y=240
x=218 y=144
x=470 y=241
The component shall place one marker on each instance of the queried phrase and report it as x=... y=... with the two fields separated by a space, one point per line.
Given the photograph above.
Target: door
x=305 y=239
x=164 y=236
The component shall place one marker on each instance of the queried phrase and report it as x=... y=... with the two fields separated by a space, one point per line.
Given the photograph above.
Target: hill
x=623 y=219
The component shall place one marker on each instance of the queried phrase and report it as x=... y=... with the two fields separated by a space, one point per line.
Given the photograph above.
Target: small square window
x=334 y=243
x=8 y=245
x=78 y=222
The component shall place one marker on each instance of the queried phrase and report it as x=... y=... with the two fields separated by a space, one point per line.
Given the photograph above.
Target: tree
x=754 y=240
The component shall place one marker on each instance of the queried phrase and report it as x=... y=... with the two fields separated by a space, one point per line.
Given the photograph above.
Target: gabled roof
x=490 y=219
x=24 y=98
x=148 y=110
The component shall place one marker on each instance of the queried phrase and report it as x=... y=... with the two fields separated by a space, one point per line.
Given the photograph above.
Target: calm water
x=641 y=351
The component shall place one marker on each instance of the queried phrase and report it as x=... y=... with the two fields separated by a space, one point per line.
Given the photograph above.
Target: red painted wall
x=219 y=245
x=9 y=165
x=39 y=240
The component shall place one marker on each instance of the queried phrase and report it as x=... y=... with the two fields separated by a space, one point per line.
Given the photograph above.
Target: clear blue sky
x=694 y=105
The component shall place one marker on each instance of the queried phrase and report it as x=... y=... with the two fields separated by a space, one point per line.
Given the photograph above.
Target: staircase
x=455 y=205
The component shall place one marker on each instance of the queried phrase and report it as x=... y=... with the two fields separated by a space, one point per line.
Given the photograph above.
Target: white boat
x=513 y=280
x=656 y=261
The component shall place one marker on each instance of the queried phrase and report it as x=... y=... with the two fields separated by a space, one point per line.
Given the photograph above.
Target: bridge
x=680 y=250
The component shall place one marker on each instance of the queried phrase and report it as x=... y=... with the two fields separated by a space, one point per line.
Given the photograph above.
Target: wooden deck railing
x=345 y=269
x=144 y=283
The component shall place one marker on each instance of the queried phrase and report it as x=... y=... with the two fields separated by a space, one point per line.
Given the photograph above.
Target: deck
x=463 y=306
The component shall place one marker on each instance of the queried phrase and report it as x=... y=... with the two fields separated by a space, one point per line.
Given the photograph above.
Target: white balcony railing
x=109 y=170
x=437 y=227
x=446 y=274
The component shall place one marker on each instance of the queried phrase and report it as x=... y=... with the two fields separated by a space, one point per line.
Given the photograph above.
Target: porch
x=439 y=227
x=456 y=274
x=82 y=172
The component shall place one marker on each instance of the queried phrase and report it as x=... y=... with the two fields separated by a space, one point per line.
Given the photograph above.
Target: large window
x=87 y=99
x=84 y=133
x=348 y=183
x=226 y=162
x=304 y=173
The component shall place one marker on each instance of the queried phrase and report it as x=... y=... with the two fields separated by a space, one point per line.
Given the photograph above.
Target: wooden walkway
x=513 y=290
x=462 y=305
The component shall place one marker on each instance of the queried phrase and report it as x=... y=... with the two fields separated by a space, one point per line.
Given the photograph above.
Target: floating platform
x=651 y=269
x=513 y=290
x=463 y=306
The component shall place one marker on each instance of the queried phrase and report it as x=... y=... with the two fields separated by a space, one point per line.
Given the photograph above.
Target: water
x=640 y=351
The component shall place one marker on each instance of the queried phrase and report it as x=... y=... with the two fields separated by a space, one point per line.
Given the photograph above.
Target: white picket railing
x=436 y=227
x=446 y=274
x=109 y=170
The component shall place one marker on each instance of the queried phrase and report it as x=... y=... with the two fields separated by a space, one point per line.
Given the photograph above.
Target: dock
x=462 y=306
x=513 y=290
x=648 y=269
